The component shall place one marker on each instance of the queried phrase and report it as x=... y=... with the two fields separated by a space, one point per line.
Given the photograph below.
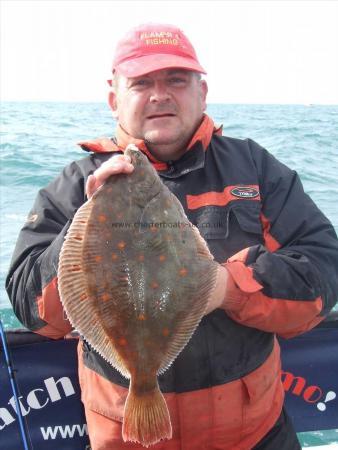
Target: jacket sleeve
x=32 y=280
x=289 y=284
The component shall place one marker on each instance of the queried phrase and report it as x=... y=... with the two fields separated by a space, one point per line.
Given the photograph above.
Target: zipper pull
x=171 y=166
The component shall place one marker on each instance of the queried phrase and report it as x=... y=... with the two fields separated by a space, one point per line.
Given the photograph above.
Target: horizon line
x=208 y=104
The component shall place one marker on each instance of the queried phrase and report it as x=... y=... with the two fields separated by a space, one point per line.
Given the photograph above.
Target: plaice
x=135 y=278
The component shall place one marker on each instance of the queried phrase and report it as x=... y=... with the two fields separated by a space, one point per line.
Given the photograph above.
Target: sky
x=254 y=51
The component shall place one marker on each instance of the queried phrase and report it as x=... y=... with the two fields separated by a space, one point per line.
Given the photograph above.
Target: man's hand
x=116 y=164
x=218 y=297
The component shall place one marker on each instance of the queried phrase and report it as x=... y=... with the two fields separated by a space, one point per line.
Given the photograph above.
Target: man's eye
x=141 y=82
x=177 y=81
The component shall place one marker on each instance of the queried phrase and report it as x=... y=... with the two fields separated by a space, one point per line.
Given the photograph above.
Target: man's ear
x=112 y=102
x=204 y=92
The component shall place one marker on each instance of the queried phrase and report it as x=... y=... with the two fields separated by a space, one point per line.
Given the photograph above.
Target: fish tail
x=146 y=417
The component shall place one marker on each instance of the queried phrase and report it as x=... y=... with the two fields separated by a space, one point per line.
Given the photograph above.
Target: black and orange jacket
x=281 y=253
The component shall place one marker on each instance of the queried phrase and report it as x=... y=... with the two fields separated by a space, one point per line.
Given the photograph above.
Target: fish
x=135 y=278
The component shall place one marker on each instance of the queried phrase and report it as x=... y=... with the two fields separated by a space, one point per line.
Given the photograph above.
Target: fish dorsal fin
x=205 y=288
x=74 y=293
x=202 y=247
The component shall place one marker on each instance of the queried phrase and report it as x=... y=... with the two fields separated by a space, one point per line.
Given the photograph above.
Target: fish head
x=138 y=159
x=144 y=176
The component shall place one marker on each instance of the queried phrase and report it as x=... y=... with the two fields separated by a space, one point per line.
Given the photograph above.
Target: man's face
x=163 y=108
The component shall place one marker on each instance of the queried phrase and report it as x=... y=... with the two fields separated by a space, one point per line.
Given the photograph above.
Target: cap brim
x=150 y=63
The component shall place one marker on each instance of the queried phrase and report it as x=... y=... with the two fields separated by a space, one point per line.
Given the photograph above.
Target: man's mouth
x=160 y=116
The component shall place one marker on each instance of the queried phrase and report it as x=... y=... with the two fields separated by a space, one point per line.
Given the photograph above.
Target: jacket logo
x=32 y=218
x=244 y=192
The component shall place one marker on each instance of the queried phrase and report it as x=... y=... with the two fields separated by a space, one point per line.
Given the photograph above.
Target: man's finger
x=120 y=158
x=90 y=186
x=113 y=166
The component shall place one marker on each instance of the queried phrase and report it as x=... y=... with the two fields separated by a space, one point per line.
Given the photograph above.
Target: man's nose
x=160 y=92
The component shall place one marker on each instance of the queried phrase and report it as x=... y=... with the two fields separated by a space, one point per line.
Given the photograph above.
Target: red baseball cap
x=151 y=47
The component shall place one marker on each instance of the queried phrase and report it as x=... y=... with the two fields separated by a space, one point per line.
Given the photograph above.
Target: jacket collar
x=191 y=160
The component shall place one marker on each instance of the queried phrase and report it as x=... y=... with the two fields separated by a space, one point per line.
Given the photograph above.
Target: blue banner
x=46 y=376
x=310 y=378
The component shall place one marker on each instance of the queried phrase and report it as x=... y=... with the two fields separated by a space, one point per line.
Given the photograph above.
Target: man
x=278 y=255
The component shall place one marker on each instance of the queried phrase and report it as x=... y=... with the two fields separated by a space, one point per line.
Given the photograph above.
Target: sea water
x=39 y=139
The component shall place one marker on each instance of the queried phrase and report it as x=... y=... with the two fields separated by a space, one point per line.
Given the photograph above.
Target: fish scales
x=135 y=278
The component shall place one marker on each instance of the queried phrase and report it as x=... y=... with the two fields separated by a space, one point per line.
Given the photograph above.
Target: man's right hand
x=116 y=164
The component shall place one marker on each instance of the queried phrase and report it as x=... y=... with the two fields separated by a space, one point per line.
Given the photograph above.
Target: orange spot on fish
x=105 y=297
x=121 y=245
x=83 y=297
x=165 y=331
x=102 y=218
x=183 y=272
x=78 y=238
x=75 y=268
x=114 y=256
x=123 y=341
x=140 y=257
x=141 y=317
x=162 y=258
x=98 y=258
x=154 y=285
